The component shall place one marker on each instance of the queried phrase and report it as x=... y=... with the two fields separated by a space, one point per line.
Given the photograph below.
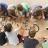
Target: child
x=31 y=42
x=11 y=36
x=11 y=11
x=3 y=38
x=22 y=34
x=23 y=9
x=3 y=9
x=38 y=13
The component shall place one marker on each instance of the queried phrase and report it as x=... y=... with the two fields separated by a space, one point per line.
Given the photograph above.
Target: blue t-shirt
x=30 y=43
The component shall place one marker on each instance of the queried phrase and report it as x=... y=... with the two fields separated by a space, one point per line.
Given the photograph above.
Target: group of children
x=8 y=36
x=23 y=10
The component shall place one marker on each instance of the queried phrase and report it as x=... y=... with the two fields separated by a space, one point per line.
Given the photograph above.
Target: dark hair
x=8 y=27
x=37 y=13
x=19 y=7
x=32 y=34
x=46 y=13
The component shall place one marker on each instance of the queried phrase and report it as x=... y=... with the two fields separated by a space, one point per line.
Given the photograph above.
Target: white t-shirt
x=12 y=38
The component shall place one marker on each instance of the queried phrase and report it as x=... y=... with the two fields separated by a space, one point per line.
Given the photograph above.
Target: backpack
x=3 y=38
